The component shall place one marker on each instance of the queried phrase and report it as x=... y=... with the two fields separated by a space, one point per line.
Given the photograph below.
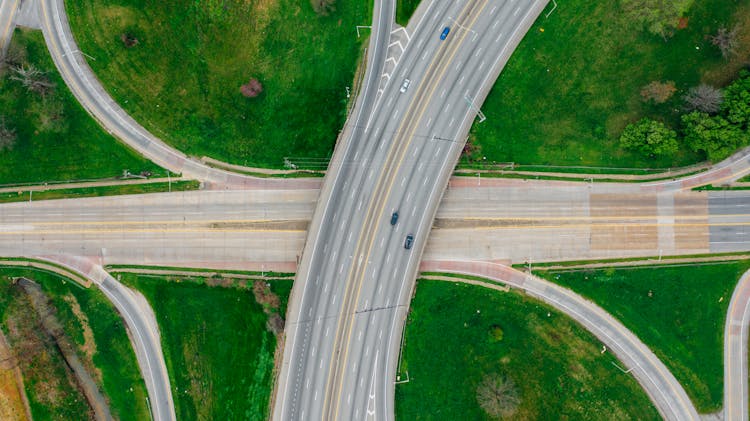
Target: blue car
x=445 y=33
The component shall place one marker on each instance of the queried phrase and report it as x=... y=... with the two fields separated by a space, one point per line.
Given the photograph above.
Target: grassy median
x=177 y=68
x=216 y=341
x=55 y=139
x=574 y=83
x=96 y=329
x=457 y=334
x=678 y=311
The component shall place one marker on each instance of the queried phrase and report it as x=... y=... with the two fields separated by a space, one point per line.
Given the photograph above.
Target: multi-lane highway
x=251 y=228
x=396 y=153
x=357 y=271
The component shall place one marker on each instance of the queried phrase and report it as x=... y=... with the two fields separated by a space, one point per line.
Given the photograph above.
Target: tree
x=703 y=98
x=323 y=7
x=650 y=137
x=736 y=105
x=714 y=135
x=658 y=92
x=726 y=41
x=497 y=396
x=7 y=136
x=32 y=79
x=251 y=89
x=659 y=17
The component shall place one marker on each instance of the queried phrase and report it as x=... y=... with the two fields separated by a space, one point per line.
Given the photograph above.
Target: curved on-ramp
x=735 y=352
x=82 y=82
x=139 y=320
x=664 y=390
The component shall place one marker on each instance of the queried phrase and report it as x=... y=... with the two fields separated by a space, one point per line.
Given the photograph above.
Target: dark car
x=394 y=218
x=409 y=241
x=444 y=35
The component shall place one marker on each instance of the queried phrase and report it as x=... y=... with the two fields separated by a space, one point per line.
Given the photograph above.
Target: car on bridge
x=409 y=241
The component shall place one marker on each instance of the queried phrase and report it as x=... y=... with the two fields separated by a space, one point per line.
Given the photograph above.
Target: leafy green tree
x=659 y=17
x=716 y=136
x=650 y=137
x=736 y=104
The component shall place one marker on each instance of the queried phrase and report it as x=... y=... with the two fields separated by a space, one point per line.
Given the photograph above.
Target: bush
x=659 y=17
x=714 y=135
x=650 y=137
x=658 y=92
x=736 y=106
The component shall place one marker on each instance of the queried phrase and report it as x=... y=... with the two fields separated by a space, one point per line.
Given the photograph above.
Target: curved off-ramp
x=139 y=320
x=735 y=352
x=664 y=390
x=82 y=82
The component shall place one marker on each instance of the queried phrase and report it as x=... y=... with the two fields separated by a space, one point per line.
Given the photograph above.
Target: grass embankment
x=404 y=10
x=217 y=346
x=56 y=139
x=568 y=92
x=452 y=341
x=94 y=327
x=678 y=311
x=182 y=79
x=24 y=196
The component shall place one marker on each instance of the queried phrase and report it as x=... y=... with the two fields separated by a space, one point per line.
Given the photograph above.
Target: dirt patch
x=198 y=375
x=89 y=343
x=270 y=302
x=262 y=225
x=49 y=381
x=13 y=403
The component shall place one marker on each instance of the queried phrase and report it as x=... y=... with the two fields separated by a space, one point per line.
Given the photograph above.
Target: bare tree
x=497 y=396
x=726 y=41
x=703 y=98
x=7 y=136
x=659 y=92
x=32 y=79
x=15 y=56
x=252 y=89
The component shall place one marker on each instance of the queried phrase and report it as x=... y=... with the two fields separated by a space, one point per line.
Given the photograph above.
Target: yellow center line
x=392 y=176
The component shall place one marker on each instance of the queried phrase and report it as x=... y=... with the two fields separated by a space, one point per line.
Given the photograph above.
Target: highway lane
x=735 y=352
x=8 y=9
x=665 y=391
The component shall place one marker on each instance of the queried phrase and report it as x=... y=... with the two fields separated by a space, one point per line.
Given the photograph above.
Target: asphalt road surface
x=518 y=223
x=355 y=278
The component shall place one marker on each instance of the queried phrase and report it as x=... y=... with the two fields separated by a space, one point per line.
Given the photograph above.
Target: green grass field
x=73 y=148
x=404 y=10
x=111 y=352
x=218 y=352
x=678 y=312
x=567 y=92
x=24 y=196
x=182 y=80
x=556 y=364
